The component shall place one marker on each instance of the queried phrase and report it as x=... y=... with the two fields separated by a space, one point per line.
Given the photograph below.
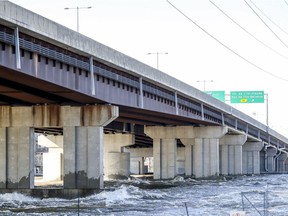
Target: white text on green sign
x=220 y=95
x=247 y=96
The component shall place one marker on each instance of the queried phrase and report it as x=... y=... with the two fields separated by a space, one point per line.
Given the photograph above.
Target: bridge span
x=111 y=112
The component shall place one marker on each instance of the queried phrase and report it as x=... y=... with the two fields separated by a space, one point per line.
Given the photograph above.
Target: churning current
x=176 y=197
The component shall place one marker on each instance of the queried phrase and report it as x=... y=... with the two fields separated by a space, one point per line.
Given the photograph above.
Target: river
x=144 y=197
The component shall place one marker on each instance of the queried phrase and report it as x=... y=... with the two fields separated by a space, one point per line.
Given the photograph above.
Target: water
x=143 y=197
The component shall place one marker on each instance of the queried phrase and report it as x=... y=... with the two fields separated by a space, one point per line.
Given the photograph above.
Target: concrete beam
x=180 y=132
x=57 y=116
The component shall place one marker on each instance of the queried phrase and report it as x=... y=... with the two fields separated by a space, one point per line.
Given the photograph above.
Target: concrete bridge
x=111 y=112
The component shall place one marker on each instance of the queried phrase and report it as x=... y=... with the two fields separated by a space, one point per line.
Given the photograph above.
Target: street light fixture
x=204 y=81
x=157 y=55
x=77 y=8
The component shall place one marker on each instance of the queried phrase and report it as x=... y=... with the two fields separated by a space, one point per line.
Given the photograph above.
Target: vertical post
x=3 y=157
x=141 y=102
x=92 y=75
x=202 y=111
x=176 y=103
x=77 y=18
x=17 y=49
x=157 y=60
x=267 y=110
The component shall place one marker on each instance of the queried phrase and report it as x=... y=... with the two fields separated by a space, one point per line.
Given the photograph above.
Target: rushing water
x=177 y=197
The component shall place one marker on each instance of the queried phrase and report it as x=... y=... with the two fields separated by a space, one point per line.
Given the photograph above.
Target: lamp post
x=157 y=55
x=77 y=9
x=204 y=82
x=267 y=111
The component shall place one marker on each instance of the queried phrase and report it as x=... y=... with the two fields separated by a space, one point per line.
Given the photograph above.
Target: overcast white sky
x=137 y=27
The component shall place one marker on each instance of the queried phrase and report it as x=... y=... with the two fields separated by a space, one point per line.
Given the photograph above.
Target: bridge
x=112 y=111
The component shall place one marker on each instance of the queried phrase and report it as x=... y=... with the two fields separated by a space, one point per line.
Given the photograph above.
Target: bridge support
x=231 y=154
x=138 y=156
x=53 y=159
x=251 y=157
x=117 y=160
x=267 y=159
x=188 y=156
x=270 y=160
x=280 y=161
x=83 y=143
x=204 y=157
x=83 y=157
x=16 y=157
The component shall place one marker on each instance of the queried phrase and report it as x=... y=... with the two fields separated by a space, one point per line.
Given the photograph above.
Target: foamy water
x=177 y=197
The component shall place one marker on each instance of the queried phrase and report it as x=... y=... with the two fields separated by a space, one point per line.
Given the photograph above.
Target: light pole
x=204 y=82
x=157 y=55
x=267 y=111
x=77 y=8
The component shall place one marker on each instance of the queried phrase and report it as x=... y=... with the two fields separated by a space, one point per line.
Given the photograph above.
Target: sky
x=228 y=45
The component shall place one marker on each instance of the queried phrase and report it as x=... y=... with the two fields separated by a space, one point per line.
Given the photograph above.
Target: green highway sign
x=220 y=95
x=247 y=96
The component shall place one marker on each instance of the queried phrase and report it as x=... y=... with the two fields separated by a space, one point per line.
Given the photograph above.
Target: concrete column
x=188 y=156
x=3 y=157
x=164 y=154
x=157 y=154
x=83 y=157
x=17 y=165
x=205 y=147
x=52 y=160
x=180 y=165
x=116 y=157
x=83 y=141
x=206 y=157
x=251 y=157
x=137 y=160
x=231 y=154
x=280 y=162
x=270 y=160
x=169 y=158
x=286 y=165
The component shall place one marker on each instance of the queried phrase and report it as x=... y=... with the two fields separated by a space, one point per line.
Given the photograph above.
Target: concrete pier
x=117 y=158
x=137 y=160
x=83 y=143
x=17 y=157
x=231 y=154
x=53 y=165
x=205 y=157
x=270 y=153
x=251 y=162
x=280 y=161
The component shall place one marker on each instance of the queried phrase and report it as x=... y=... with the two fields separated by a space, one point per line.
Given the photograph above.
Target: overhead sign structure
x=247 y=96
x=220 y=95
